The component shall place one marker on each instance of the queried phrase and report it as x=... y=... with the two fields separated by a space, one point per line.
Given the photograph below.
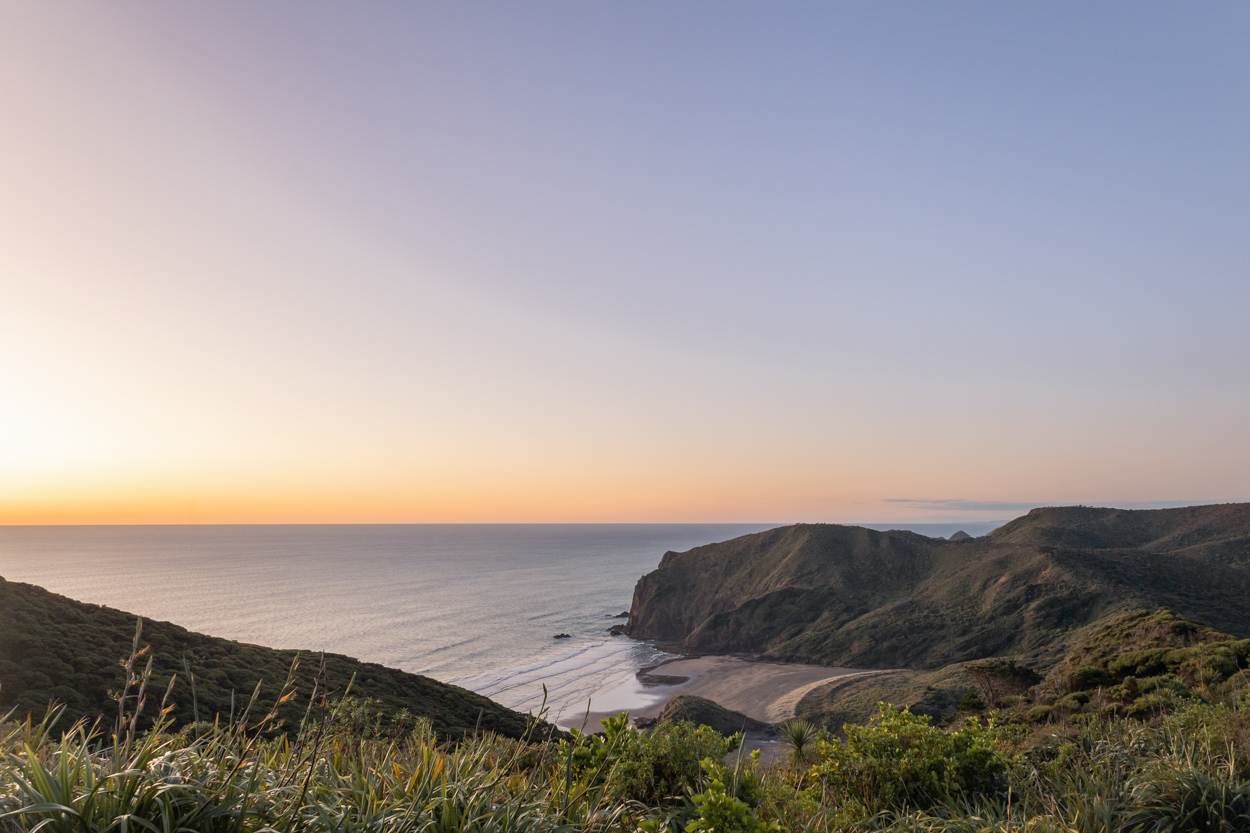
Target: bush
x=656 y=767
x=900 y=761
x=1236 y=689
x=720 y=812
x=1073 y=702
x=1088 y=676
x=1039 y=713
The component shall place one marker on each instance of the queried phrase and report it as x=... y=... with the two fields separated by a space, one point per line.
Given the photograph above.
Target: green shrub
x=1148 y=705
x=1164 y=684
x=720 y=812
x=1039 y=713
x=1236 y=689
x=1073 y=702
x=1088 y=676
x=899 y=760
x=1140 y=663
x=658 y=766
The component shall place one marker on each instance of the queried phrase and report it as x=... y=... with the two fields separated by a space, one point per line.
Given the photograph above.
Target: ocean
x=475 y=605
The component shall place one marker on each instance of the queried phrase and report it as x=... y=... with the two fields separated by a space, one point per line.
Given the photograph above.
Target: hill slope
x=1135 y=664
x=846 y=595
x=702 y=711
x=54 y=648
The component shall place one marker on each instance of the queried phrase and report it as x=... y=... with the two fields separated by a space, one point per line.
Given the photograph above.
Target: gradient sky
x=639 y=261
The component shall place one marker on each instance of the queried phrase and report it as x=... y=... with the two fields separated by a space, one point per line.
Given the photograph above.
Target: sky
x=565 y=261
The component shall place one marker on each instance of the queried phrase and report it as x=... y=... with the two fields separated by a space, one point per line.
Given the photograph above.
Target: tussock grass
x=346 y=765
x=340 y=769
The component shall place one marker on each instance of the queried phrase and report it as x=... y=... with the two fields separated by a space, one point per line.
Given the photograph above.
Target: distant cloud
x=951 y=504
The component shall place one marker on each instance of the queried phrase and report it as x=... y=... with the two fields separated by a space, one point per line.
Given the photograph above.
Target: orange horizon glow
x=426 y=263
x=685 y=500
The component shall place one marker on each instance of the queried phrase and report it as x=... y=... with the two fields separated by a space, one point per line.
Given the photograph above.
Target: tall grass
x=346 y=767
x=245 y=772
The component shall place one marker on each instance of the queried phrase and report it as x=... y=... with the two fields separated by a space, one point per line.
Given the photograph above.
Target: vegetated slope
x=55 y=648
x=1131 y=664
x=1221 y=531
x=1140 y=663
x=852 y=596
x=939 y=694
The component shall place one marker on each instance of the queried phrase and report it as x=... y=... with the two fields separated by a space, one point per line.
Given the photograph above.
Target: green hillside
x=1135 y=664
x=56 y=649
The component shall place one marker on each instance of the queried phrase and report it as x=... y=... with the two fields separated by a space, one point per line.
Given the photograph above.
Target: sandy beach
x=766 y=691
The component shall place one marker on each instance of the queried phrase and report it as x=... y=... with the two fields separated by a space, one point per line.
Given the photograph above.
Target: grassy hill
x=54 y=648
x=1133 y=664
x=851 y=596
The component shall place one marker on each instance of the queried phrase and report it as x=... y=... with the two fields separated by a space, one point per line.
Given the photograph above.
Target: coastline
x=764 y=690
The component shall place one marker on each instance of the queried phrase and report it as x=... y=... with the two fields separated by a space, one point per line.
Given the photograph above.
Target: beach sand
x=767 y=691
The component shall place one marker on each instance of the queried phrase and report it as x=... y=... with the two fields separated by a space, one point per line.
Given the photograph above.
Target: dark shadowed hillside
x=1219 y=533
x=54 y=648
x=852 y=596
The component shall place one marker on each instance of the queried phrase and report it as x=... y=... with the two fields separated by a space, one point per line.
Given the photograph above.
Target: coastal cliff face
x=853 y=596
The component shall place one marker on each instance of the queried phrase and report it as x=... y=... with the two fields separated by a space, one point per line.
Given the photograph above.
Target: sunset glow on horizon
x=315 y=263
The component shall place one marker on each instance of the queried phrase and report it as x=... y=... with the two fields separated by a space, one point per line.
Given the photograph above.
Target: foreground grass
x=1186 y=772
x=350 y=763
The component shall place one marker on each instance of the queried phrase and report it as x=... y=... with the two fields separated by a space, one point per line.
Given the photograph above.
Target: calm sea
x=475 y=605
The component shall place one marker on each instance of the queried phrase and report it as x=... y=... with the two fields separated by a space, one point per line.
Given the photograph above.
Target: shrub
x=1073 y=702
x=1039 y=713
x=1236 y=689
x=900 y=760
x=721 y=812
x=657 y=766
x=1088 y=676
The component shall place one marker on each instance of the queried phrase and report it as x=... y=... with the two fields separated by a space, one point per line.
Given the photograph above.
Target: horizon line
x=1132 y=506
x=929 y=522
